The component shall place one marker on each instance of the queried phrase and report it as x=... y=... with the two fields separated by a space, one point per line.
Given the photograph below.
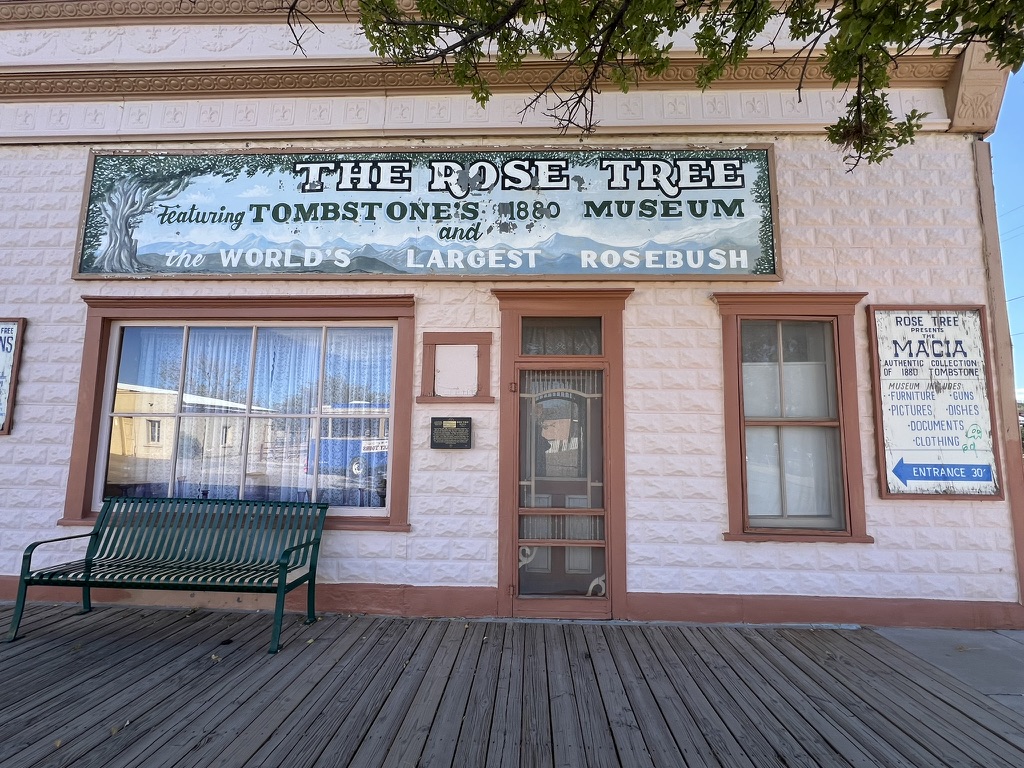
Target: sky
x=1008 y=168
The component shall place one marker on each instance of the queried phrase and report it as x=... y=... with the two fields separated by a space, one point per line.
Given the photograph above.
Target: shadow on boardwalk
x=157 y=687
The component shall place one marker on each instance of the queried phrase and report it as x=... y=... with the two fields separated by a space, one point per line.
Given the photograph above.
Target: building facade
x=688 y=368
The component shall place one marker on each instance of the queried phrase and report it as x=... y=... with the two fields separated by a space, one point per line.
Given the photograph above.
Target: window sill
x=382 y=524
x=438 y=399
x=816 y=537
x=78 y=522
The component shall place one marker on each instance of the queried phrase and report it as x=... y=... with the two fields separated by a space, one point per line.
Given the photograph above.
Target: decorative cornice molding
x=34 y=13
x=433 y=114
x=362 y=77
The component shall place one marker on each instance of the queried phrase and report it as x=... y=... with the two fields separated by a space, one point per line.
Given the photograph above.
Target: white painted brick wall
x=906 y=233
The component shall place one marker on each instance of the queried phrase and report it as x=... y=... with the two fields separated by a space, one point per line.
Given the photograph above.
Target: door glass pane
x=569 y=527
x=575 y=571
x=561 y=461
x=561 y=336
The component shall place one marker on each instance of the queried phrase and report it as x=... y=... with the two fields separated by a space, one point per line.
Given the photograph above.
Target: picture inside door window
x=254 y=412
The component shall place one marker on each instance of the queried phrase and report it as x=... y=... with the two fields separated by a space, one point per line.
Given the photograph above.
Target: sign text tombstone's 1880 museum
x=613 y=214
x=933 y=400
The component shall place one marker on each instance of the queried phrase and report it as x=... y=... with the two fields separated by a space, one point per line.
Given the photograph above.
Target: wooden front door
x=562 y=517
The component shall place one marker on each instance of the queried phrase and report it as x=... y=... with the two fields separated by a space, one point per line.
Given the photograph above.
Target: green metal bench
x=192 y=544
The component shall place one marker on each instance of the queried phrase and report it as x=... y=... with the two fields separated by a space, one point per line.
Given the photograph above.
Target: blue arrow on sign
x=955 y=473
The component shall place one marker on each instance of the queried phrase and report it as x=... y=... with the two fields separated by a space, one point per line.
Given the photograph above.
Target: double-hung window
x=298 y=405
x=791 y=415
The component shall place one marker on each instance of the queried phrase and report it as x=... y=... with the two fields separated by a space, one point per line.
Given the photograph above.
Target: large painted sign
x=604 y=214
x=933 y=399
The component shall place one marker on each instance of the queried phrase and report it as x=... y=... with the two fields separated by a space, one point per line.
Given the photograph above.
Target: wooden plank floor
x=123 y=687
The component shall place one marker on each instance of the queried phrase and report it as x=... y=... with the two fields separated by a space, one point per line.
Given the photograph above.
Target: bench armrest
x=285 y=557
x=26 y=559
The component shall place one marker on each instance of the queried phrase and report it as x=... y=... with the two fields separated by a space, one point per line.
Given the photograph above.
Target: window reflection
x=269 y=412
x=561 y=453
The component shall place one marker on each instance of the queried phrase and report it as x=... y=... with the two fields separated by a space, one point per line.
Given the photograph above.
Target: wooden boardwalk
x=156 y=687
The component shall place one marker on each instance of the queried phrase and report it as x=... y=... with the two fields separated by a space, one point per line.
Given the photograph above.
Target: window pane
x=760 y=341
x=137 y=466
x=217 y=370
x=353 y=451
x=209 y=457
x=812 y=477
x=794 y=477
x=762 y=396
x=808 y=370
x=286 y=370
x=764 y=489
x=561 y=336
x=149 y=370
x=358 y=367
x=352 y=469
x=277 y=466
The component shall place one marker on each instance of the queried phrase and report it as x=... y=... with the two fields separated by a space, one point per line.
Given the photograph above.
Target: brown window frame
x=104 y=311
x=838 y=309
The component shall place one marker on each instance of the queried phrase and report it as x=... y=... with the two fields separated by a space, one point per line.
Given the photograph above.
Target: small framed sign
x=11 y=332
x=451 y=432
x=933 y=400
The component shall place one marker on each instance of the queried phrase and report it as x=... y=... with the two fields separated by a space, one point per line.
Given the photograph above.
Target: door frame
x=514 y=305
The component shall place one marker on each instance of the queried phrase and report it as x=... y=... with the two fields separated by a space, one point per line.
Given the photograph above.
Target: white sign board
x=11 y=331
x=933 y=399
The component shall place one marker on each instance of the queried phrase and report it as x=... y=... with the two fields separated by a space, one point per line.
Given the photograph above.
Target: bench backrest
x=206 y=530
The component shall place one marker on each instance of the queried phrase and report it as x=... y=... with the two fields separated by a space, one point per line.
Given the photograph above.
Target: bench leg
x=275 y=638
x=19 y=607
x=86 y=599
x=311 y=602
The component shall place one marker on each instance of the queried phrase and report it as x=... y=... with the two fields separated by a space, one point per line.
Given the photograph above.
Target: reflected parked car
x=352 y=446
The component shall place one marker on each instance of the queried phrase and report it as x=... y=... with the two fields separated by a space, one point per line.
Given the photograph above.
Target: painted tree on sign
x=598 y=42
x=127 y=187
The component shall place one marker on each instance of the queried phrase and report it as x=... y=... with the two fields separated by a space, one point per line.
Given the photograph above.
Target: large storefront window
x=285 y=398
x=289 y=413
x=794 y=466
